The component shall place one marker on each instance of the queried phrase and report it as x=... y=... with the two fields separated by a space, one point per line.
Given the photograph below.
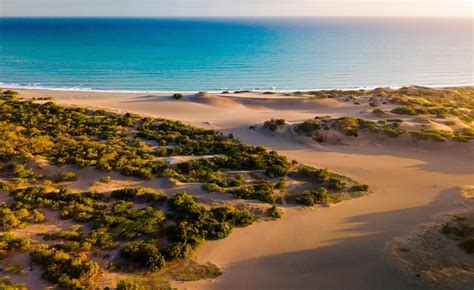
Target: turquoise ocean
x=192 y=54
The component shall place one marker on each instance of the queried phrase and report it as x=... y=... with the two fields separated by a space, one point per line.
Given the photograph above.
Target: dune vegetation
x=438 y=115
x=134 y=228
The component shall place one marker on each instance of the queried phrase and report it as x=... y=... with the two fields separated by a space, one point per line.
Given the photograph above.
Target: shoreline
x=124 y=91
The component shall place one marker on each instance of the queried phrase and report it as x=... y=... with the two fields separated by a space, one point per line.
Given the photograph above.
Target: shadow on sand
x=350 y=263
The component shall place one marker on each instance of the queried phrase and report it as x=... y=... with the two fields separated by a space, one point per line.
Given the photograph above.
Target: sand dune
x=341 y=247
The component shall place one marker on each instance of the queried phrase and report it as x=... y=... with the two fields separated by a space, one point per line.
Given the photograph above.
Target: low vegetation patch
x=349 y=126
x=461 y=230
x=191 y=271
x=146 y=228
x=352 y=127
x=274 y=124
x=274 y=213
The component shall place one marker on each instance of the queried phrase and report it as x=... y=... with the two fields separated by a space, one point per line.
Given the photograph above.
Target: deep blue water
x=250 y=53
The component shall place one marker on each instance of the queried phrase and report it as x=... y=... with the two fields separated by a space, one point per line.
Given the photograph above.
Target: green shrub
x=308 y=127
x=281 y=184
x=359 y=187
x=237 y=180
x=153 y=196
x=409 y=110
x=306 y=199
x=464 y=135
x=66 y=176
x=125 y=193
x=435 y=135
x=10 y=244
x=274 y=213
x=22 y=171
x=68 y=270
x=105 y=179
x=393 y=130
x=13 y=268
x=238 y=218
x=313 y=197
x=374 y=104
x=193 y=271
x=336 y=183
x=177 y=96
x=128 y=284
x=262 y=191
x=143 y=253
x=8 y=95
x=273 y=124
x=37 y=216
x=211 y=187
x=316 y=175
x=11 y=219
x=6 y=284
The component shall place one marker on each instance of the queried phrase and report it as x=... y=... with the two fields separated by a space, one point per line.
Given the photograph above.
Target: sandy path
x=342 y=247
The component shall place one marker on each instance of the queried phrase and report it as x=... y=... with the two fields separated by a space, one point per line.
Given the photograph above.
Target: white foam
x=119 y=91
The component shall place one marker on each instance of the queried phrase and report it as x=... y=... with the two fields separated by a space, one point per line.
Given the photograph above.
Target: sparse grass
x=461 y=230
x=189 y=270
x=6 y=284
x=13 y=268
x=434 y=135
x=335 y=198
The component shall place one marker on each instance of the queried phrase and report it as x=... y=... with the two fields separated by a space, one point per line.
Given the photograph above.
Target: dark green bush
x=177 y=96
x=274 y=213
x=262 y=190
x=125 y=193
x=145 y=254
x=11 y=244
x=68 y=270
x=313 y=197
x=129 y=285
x=359 y=187
x=11 y=219
x=335 y=183
x=273 y=124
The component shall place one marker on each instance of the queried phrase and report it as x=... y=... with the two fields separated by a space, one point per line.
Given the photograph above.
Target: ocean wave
x=6 y=85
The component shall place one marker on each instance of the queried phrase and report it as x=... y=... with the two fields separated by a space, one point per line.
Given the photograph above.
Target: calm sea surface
x=239 y=53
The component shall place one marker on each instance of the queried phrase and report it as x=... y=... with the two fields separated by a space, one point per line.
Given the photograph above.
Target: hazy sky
x=448 y=8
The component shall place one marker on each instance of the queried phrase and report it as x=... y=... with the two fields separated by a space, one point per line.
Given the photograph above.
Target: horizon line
x=240 y=16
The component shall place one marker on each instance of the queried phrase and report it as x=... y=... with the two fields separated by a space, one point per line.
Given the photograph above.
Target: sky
x=165 y=8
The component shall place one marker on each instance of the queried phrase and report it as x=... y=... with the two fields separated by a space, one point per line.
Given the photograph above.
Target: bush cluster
x=130 y=219
x=313 y=197
x=274 y=213
x=273 y=124
x=68 y=269
x=11 y=244
x=261 y=190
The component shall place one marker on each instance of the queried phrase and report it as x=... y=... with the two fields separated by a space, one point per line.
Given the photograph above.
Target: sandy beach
x=339 y=247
